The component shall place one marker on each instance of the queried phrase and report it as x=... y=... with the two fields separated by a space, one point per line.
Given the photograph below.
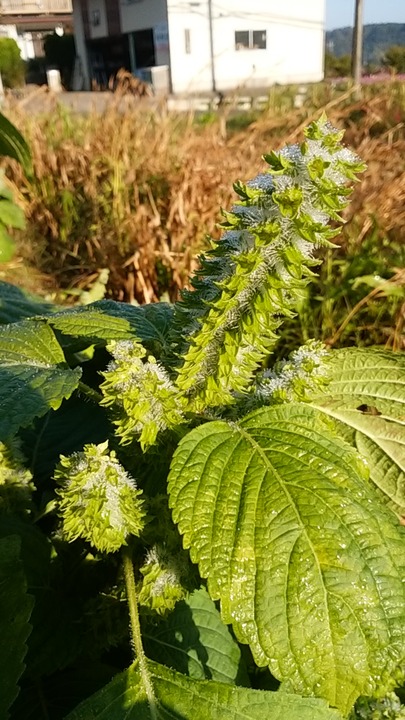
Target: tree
x=394 y=58
x=337 y=66
x=12 y=66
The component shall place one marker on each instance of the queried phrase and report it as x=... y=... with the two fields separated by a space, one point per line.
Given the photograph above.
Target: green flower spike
x=162 y=585
x=255 y=275
x=386 y=708
x=305 y=371
x=15 y=480
x=146 y=400
x=99 y=502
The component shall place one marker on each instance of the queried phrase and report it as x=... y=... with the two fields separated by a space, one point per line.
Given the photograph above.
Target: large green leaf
x=11 y=215
x=109 y=320
x=13 y=144
x=304 y=558
x=16 y=304
x=180 y=698
x=98 y=322
x=151 y=323
x=366 y=396
x=195 y=641
x=33 y=374
x=15 y=611
x=92 y=324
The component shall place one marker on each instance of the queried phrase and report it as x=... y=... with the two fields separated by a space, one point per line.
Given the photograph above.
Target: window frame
x=187 y=41
x=241 y=46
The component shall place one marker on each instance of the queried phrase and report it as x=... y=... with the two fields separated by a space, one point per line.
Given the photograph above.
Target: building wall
x=189 y=36
x=294 y=38
x=35 y=7
x=97 y=19
x=142 y=14
x=145 y=15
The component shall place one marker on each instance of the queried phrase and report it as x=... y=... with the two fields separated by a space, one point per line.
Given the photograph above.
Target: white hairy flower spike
x=163 y=580
x=99 y=500
x=268 y=247
x=294 y=378
x=140 y=390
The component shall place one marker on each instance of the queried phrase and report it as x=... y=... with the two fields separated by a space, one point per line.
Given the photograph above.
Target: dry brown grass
x=138 y=192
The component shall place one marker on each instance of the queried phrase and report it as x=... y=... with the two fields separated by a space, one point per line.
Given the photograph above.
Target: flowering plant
x=245 y=507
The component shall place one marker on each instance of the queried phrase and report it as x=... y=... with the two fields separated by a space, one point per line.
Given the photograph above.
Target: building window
x=95 y=18
x=187 y=42
x=250 y=40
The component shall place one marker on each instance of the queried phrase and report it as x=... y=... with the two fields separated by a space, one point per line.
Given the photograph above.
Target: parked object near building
x=54 y=80
x=201 y=46
x=28 y=22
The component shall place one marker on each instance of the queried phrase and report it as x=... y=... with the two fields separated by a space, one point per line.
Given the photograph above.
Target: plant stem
x=89 y=392
x=136 y=635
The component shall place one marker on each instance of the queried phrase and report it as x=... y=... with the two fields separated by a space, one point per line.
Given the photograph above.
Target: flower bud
x=100 y=501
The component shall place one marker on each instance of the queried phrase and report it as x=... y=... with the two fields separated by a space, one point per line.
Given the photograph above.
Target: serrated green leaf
x=15 y=611
x=305 y=560
x=33 y=374
x=180 y=698
x=366 y=396
x=107 y=320
x=195 y=641
x=13 y=144
x=16 y=304
x=91 y=323
x=11 y=215
x=152 y=323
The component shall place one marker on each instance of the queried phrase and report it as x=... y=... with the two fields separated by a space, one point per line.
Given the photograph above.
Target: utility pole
x=357 y=50
x=212 y=54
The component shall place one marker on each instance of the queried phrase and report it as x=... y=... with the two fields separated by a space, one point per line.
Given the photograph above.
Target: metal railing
x=34 y=7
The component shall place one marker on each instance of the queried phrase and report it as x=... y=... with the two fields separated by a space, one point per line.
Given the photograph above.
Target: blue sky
x=339 y=13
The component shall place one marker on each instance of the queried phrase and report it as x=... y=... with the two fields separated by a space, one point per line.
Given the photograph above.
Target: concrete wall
x=294 y=43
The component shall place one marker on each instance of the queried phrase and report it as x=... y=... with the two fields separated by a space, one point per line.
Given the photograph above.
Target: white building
x=206 y=45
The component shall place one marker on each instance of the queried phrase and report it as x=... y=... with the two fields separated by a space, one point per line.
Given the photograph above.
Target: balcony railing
x=38 y=7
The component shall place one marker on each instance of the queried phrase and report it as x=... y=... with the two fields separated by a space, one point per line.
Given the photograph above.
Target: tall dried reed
x=138 y=191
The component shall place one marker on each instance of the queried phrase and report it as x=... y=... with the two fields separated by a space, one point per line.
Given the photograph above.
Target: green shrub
x=337 y=66
x=394 y=58
x=12 y=66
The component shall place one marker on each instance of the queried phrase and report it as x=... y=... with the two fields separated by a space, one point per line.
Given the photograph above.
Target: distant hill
x=377 y=39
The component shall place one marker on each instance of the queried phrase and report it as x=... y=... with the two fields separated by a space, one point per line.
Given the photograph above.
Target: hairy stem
x=89 y=392
x=136 y=635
